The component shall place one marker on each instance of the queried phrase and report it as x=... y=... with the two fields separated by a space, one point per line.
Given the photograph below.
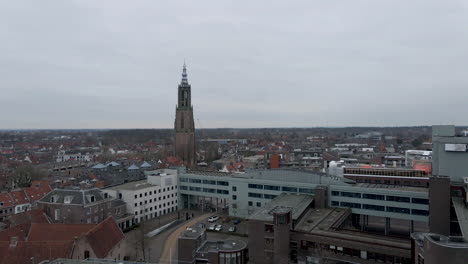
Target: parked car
x=236 y=221
x=213 y=218
x=219 y=228
x=226 y=219
x=212 y=227
x=232 y=229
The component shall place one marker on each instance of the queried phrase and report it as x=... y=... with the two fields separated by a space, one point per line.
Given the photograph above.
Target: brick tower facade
x=184 y=124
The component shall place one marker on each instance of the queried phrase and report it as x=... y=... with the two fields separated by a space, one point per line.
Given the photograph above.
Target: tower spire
x=184 y=74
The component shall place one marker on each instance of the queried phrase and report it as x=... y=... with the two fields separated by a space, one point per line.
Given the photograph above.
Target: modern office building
x=150 y=198
x=242 y=194
x=291 y=229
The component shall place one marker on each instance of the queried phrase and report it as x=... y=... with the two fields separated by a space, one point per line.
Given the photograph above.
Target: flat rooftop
x=297 y=203
x=280 y=175
x=132 y=186
x=192 y=233
x=224 y=245
x=329 y=222
x=322 y=219
x=392 y=187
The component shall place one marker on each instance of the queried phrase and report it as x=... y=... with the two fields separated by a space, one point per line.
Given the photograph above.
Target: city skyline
x=86 y=65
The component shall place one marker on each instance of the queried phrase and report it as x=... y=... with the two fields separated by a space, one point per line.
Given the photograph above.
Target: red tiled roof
x=28 y=217
x=6 y=199
x=19 y=197
x=104 y=237
x=58 y=232
x=38 y=190
x=25 y=250
x=20 y=231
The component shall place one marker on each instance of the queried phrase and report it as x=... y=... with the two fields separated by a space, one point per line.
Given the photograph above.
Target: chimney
x=13 y=241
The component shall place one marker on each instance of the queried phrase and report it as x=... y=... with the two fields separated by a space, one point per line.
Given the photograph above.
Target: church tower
x=184 y=124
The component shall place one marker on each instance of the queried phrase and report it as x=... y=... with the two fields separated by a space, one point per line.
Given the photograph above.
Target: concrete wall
x=439 y=195
x=448 y=163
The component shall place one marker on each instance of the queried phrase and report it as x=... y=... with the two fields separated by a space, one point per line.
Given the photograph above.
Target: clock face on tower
x=184 y=124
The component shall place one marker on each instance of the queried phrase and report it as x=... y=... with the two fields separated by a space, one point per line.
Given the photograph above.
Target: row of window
x=260 y=195
x=156 y=207
x=278 y=188
x=151 y=192
x=378 y=257
x=382 y=208
x=151 y=200
x=211 y=182
x=207 y=190
x=381 y=197
x=155 y=214
x=259 y=204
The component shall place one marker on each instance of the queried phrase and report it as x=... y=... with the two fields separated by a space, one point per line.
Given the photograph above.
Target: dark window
x=259 y=204
x=269 y=196
x=183 y=187
x=398 y=210
x=272 y=187
x=255 y=195
x=335 y=203
x=250 y=203
x=223 y=183
x=234 y=188
x=398 y=199
x=194 y=181
x=289 y=189
x=209 y=182
x=419 y=212
x=222 y=192
x=373 y=196
x=335 y=193
x=209 y=190
x=351 y=194
x=195 y=189
x=373 y=207
x=350 y=205
x=86 y=254
x=306 y=190
x=255 y=186
x=420 y=201
x=269 y=228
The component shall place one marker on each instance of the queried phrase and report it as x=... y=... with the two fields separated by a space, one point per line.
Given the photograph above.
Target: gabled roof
x=25 y=250
x=73 y=196
x=104 y=237
x=37 y=190
x=112 y=164
x=99 y=166
x=58 y=232
x=133 y=167
x=145 y=165
x=19 y=197
x=6 y=199
x=28 y=217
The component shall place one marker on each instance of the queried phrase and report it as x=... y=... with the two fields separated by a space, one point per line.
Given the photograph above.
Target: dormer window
x=106 y=195
x=54 y=199
x=68 y=199
x=91 y=198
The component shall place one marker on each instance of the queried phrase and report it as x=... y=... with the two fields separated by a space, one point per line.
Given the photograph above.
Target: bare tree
x=24 y=175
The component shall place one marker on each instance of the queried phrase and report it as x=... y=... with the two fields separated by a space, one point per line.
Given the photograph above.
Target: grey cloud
x=116 y=64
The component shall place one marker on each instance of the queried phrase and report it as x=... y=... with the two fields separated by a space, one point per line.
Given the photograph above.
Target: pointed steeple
x=184 y=75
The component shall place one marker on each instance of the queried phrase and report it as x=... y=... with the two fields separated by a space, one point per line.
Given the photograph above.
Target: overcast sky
x=117 y=64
